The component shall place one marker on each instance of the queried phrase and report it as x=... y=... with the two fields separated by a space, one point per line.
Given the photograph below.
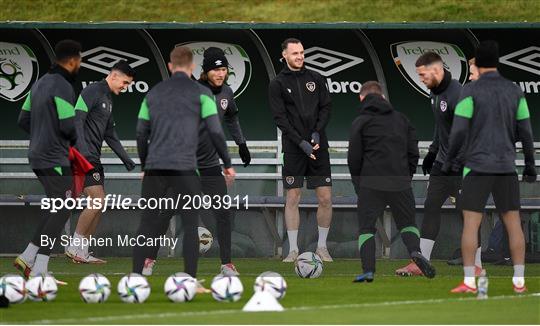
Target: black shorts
x=477 y=187
x=94 y=177
x=296 y=166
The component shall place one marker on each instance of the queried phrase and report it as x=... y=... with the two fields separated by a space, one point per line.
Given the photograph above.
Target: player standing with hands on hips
x=300 y=104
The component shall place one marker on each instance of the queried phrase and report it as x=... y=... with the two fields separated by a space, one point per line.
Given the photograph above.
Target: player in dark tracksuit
x=301 y=105
x=48 y=117
x=95 y=124
x=444 y=94
x=491 y=116
x=382 y=158
x=167 y=138
x=214 y=75
x=215 y=71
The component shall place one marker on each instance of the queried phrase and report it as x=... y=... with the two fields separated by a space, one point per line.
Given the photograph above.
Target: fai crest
x=289 y=180
x=224 y=103
x=310 y=86
x=443 y=106
x=96 y=176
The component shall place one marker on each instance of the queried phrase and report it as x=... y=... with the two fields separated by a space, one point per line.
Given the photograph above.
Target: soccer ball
x=308 y=265
x=227 y=288
x=272 y=283
x=205 y=240
x=95 y=288
x=42 y=288
x=13 y=288
x=133 y=288
x=180 y=287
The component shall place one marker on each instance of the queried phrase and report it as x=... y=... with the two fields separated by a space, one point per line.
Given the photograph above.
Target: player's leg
x=403 y=209
x=57 y=185
x=506 y=197
x=475 y=192
x=154 y=185
x=371 y=205
x=213 y=184
x=188 y=183
x=294 y=170
x=319 y=178
x=437 y=193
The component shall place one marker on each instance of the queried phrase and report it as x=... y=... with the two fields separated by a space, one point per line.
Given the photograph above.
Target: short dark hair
x=371 y=87
x=428 y=58
x=181 y=56
x=124 y=68
x=286 y=43
x=67 y=49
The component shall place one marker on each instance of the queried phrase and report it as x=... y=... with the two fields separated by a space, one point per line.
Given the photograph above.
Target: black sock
x=366 y=243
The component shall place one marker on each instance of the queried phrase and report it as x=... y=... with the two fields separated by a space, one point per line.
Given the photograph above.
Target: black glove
x=315 y=138
x=130 y=165
x=244 y=154
x=427 y=164
x=306 y=147
x=529 y=174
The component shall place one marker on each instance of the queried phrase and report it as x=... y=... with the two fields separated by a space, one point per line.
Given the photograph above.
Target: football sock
x=323 y=234
x=29 y=254
x=426 y=246
x=293 y=238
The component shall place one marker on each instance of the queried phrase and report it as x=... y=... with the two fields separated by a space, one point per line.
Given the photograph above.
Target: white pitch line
x=235 y=311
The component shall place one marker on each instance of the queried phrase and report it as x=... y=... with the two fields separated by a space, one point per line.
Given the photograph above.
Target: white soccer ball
x=205 y=240
x=272 y=283
x=42 y=288
x=133 y=288
x=308 y=265
x=13 y=287
x=95 y=288
x=227 y=288
x=180 y=287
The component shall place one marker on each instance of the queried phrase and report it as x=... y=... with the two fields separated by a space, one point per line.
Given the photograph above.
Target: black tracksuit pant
x=213 y=184
x=371 y=205
x=56 y=186
x=161 y=184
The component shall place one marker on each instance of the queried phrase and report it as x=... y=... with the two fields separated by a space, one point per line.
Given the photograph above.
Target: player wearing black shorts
x=300 y=104
x=48 y=117
x=491 y=116
x=95 y=124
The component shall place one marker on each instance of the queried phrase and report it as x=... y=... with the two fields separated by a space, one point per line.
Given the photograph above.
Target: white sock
x=323 y=234
x=78 y=241
x=519 y=276
x=469 y=278
x=293 y=236
x=426 y=246
x=41 y=266
x=478 y=257
x=29 y=254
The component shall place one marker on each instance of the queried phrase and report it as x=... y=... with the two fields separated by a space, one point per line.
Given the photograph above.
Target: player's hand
x=315 y=138
x=245 y=155
x=427 y=164
x=229 y=174
x=130 y=165
x=307 y=148
x=529 y=174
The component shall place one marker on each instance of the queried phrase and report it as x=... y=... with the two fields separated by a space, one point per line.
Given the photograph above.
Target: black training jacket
x=383 y=148
x=300 y=104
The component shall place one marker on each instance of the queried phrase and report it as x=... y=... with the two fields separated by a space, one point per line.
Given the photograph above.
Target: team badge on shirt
x=224 y=103
x=96 y=176
x=310 y=86
x=289 y=180
x=443 y=106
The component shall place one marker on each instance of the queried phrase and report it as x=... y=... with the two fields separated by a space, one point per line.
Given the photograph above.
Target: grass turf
x=330 y=299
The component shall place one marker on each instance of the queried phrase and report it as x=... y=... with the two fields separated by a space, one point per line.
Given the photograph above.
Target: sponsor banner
x=520 y=62
x=398 y=50
x=23 y=59
x=248 y=75
x=99 y=54
x=343 y=65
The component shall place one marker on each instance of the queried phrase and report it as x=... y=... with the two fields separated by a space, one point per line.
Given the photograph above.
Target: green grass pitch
x=330 y=299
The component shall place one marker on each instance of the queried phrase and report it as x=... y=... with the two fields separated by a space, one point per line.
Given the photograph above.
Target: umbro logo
x=527 y=59
x=218 y=62
x=102 y=59
x=328 y=62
